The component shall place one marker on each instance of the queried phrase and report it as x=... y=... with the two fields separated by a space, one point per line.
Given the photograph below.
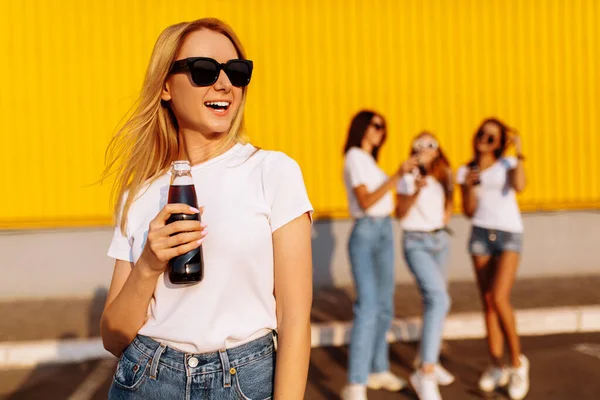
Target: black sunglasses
x=486 y=138
x=205 y=71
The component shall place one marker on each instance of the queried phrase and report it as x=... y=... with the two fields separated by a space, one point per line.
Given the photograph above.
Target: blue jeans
x=150 y=370
x=371 y=249
x=427 y=257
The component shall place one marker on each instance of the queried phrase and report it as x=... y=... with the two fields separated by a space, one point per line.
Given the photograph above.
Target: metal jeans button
x=193 y=362
x=493 y=237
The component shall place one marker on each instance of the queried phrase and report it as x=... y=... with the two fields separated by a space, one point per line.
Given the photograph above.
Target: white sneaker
x=519 y=380
x=493 y=378
x=354 y=392
x=385 y=380
x=425 y=386
x=444 y=378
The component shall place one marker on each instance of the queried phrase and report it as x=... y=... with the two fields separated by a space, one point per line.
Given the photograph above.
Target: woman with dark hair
x=488 y=186
x=371 y=250
x=425 y=206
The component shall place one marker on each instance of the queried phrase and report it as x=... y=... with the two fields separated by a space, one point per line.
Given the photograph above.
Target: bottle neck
x=181 y=178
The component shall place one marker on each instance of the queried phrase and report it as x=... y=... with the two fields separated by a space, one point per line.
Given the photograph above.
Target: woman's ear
x=166 y=92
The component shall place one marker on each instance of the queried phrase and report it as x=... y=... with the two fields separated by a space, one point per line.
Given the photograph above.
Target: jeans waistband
x=433 y=232
x=371 y=218
x=204 y=362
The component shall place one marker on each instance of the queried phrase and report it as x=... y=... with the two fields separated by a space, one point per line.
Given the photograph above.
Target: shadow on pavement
x=52 y=381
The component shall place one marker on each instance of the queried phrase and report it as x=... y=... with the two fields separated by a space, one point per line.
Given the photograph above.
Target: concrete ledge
x=532 y=322
x=556 y=244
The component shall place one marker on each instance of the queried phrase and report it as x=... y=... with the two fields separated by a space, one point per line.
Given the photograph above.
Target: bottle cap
x=182 y=165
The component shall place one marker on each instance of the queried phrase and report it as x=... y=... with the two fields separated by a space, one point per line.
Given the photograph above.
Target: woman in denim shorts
x=489 y=185
x=213 y=339
x=425 y=206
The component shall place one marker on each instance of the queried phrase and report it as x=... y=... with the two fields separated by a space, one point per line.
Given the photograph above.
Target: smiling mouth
x=218 y=106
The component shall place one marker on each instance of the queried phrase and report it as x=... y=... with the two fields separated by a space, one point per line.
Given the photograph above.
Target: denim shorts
x=150 y=370
x=485 y=241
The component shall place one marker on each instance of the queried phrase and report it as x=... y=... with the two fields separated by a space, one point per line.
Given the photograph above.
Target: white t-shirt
x=360 y=168
x=427 y=212
x=247 y=196
x=497 y=206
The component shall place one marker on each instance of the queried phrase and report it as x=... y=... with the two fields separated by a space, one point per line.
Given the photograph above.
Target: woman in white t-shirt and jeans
x=488 y=186
x=424 y=206
x=214 y=339
x=371 y=251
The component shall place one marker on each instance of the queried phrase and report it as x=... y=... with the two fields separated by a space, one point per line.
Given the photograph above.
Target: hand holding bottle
x=167 y=241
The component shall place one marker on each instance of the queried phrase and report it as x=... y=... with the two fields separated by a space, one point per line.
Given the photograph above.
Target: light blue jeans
x=427 y=257
x=371 y=249
x=150 y=370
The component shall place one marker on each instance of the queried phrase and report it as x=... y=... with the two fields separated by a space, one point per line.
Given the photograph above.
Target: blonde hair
x=144 y=147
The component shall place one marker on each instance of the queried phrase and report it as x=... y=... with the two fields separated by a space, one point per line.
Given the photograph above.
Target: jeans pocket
x=513 y=242
x=413 y=240
x=256 y=380
x=130 y=374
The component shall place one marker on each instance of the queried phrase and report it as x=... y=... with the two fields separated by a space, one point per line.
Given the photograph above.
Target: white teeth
x=217 y=103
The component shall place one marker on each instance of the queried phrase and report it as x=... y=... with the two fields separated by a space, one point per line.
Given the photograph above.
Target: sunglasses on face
x=205 y=71
x=378 y=127
x=425 y=144
x=488 y=139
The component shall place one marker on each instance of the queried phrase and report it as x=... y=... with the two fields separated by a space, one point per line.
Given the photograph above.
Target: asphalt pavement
x=564 y=367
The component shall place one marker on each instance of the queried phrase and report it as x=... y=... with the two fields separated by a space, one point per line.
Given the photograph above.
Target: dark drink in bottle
x=188 y=267
x=474 y=166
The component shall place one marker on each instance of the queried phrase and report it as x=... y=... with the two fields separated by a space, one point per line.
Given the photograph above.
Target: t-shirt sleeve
x=355 y=169
x=509 y=162
x=406 y=185
x=120 y=246
x=285 y=190
x=461 y=175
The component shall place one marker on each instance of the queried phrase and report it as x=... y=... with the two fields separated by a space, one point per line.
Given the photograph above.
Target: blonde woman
x=215 y=339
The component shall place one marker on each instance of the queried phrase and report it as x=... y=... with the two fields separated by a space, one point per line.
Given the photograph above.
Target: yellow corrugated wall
x=70 y=69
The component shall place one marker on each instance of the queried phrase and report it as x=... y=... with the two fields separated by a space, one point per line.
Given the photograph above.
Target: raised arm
x=404 y=202
x=132 y=286
x=517 y=175
x=469 y=197
x=366 y=199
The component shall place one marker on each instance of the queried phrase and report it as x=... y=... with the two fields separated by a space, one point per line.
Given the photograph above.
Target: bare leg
x=485 y=268
x=504 y=279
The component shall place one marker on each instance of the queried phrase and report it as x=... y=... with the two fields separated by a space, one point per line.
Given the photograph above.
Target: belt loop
x=155 y=359
x=226 y=368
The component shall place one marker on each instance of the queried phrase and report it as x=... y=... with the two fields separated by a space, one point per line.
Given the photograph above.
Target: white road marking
x=532 y=322
x=591 y=349
x=92 y=383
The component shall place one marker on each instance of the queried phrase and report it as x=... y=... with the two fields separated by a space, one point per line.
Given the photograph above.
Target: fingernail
x=194 y=210
x=200 y=241
x=204 y=232
x=203 y=225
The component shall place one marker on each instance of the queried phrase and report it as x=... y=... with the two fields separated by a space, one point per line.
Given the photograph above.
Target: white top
x=360 y=168
x=247 y=195
x=427 y=212
x=497 y=206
